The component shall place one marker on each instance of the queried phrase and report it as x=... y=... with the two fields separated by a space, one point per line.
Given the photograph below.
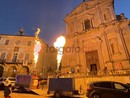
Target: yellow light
x=37 y=47
x=59 y=44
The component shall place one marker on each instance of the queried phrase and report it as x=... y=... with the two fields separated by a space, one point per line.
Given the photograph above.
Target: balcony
x=12 y=61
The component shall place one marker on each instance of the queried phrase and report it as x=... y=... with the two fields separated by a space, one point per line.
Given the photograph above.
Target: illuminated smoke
x=37 y=47
x=59 y=44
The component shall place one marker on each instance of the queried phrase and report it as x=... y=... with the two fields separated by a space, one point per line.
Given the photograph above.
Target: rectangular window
x=6 y=42
x=2 y=56
x=26 y=57
x=16 y=49
x=87 y=24
x=15 y=57
x=29 y=43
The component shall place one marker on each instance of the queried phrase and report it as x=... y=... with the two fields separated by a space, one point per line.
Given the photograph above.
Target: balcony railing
x=15 y=61
x=96 y=73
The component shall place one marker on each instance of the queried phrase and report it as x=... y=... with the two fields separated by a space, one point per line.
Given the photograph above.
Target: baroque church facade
x=96 y=38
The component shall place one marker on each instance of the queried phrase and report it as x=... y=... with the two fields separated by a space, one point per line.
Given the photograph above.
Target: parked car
x=12 y=80
x=108 y=89
x=4 y=81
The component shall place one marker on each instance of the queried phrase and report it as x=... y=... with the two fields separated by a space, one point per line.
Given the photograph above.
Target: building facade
x=17 y=55
x=96 y=38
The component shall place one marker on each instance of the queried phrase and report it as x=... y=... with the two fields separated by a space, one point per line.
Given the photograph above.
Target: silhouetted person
x=8 y=91
x=105 y=70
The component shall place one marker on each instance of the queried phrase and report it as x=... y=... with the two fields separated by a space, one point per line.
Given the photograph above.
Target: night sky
x=48 y=15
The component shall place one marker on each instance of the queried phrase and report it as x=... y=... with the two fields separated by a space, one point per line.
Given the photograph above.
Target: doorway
x=92 y=61
x=93 y=69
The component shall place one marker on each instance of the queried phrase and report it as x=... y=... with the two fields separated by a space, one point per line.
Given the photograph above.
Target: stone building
x=51 y=56
x=17 y=55
x=97 y=38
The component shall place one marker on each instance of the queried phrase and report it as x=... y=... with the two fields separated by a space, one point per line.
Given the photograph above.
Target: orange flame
x=59 y=44
x=37 y=48
x=37 y=32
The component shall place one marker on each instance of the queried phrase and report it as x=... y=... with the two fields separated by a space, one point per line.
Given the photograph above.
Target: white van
x=7 y=80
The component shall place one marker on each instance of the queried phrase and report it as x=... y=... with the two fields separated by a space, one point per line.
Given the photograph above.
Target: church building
x=96 y=38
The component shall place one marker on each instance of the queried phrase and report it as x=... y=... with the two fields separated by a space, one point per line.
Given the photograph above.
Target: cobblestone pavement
x=19 y=95
x=39 y=93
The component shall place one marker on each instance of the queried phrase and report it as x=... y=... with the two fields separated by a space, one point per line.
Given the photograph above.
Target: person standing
x=6 y=82
x=8 y=91
x=105 y=70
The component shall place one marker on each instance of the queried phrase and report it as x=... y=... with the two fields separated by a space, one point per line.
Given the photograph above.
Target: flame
x=59 y=44
x=37 y=32
x=37 y=48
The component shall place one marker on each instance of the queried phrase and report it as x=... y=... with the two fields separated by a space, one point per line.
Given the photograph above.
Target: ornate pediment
x=86 y=6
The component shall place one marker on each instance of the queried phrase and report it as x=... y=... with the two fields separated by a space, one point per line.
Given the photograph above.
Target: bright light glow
x=37 y=32
x=59 y=44
x=37 y=48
